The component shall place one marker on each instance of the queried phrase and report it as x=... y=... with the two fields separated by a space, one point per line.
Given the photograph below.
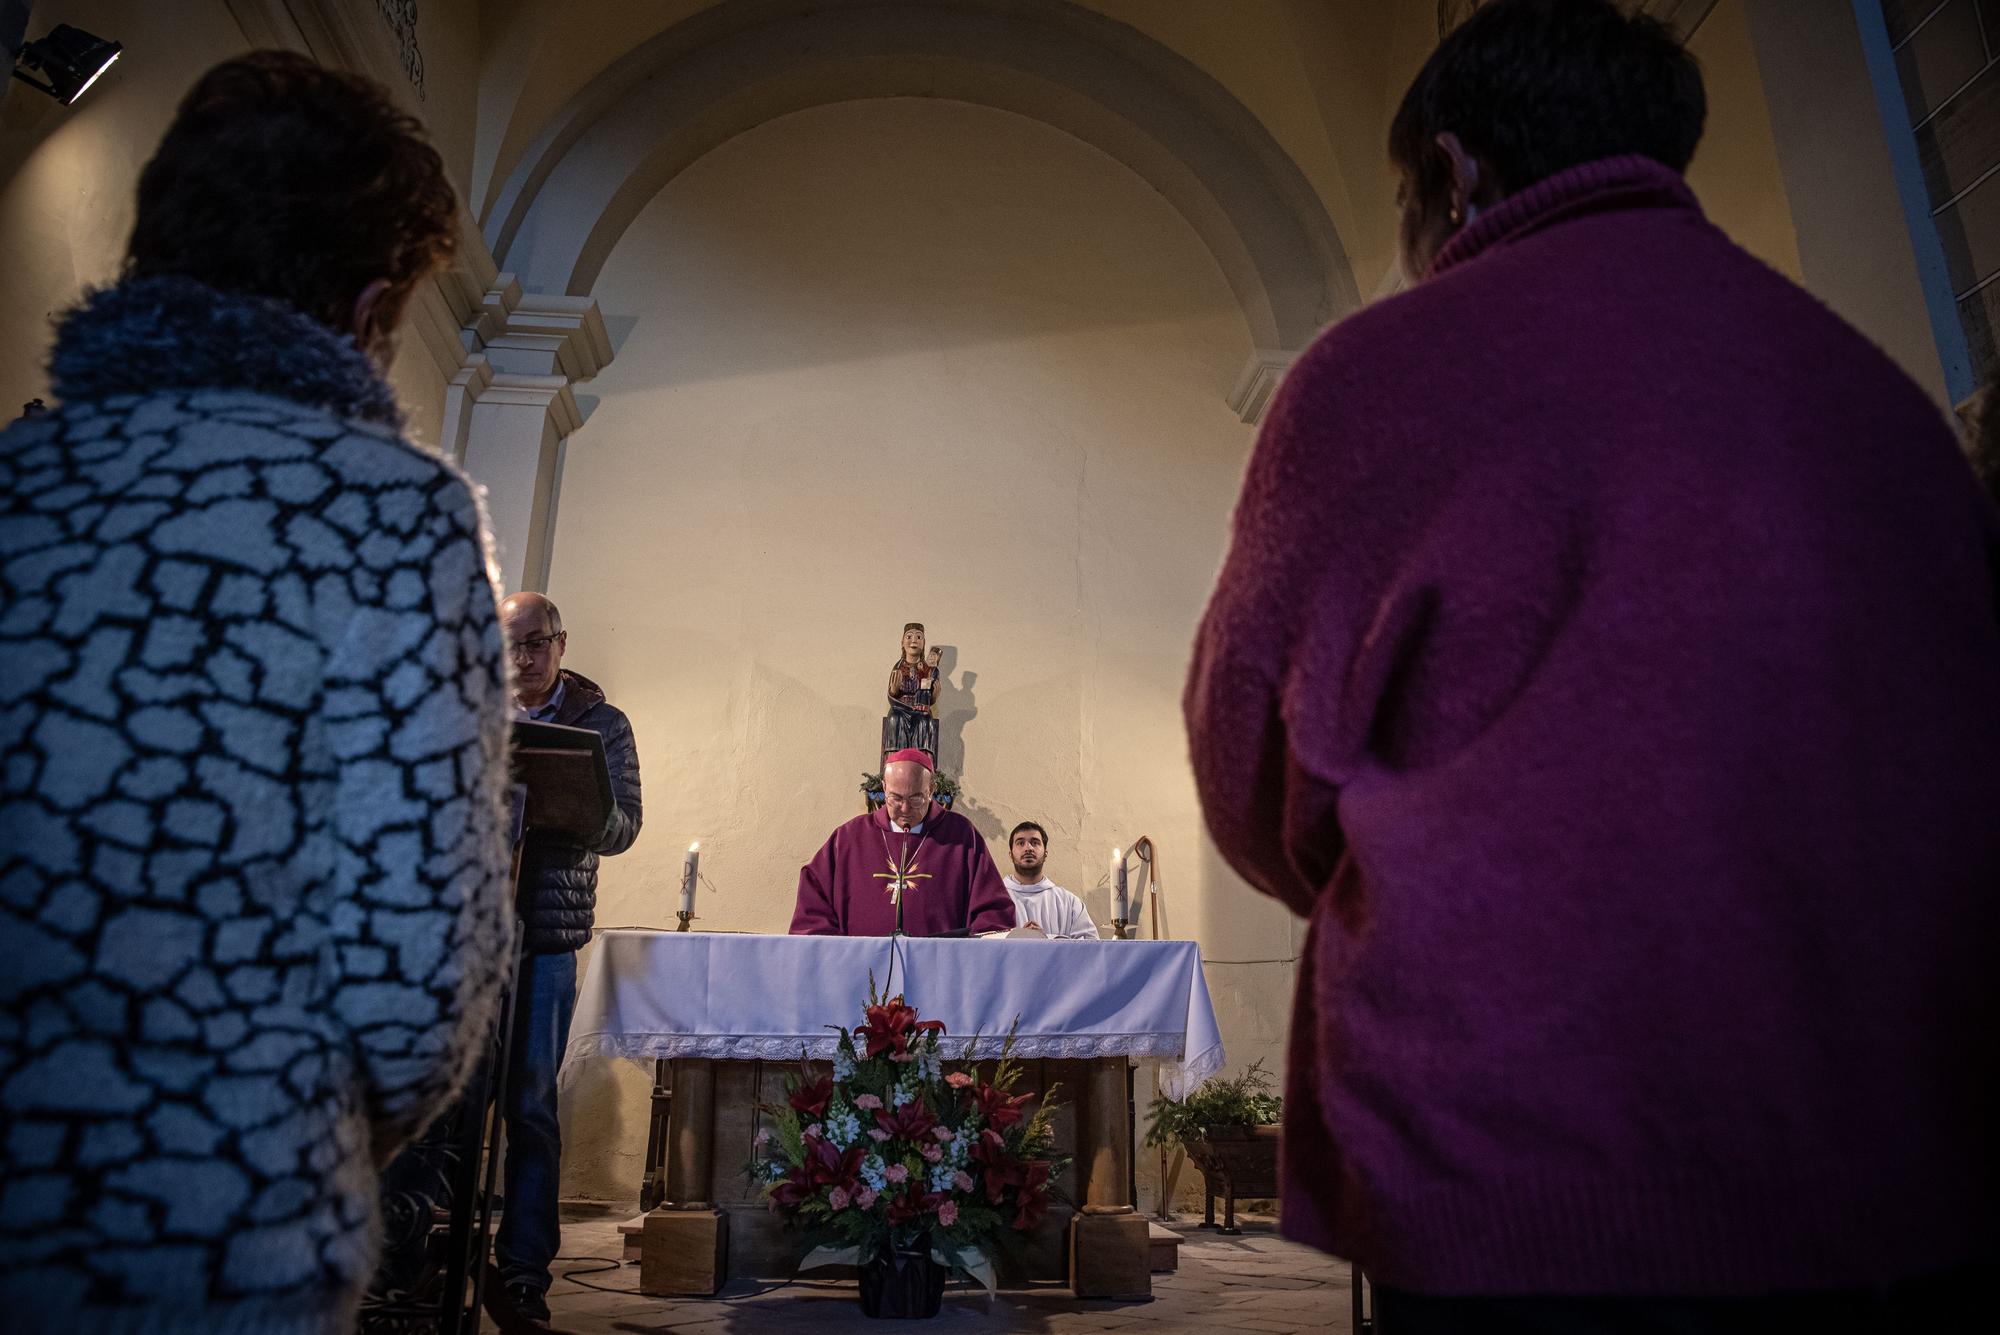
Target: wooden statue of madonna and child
x=912 y=720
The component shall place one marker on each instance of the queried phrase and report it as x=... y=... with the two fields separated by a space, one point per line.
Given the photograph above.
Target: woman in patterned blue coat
x=252 y=731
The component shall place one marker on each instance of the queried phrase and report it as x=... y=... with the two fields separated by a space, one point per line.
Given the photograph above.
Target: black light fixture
x=70 y=59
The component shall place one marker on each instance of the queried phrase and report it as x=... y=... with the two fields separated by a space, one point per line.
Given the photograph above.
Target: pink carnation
x=932 y=1153
x=837 y=1198
x=895 y=1172
x=962 y=1180
x=866 y=1200
x=942 y=1132
x=868 y=1101
x=959 y=1080
x=813 y=1130
x=948 y=1213
x=877 y=1134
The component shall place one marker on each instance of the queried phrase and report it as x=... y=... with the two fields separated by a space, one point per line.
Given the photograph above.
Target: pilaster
x=509 y=413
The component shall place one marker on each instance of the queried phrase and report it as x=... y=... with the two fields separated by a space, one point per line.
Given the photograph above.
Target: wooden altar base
x=714 y=1225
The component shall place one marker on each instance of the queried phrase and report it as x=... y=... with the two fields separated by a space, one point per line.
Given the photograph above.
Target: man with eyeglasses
x=557 y=903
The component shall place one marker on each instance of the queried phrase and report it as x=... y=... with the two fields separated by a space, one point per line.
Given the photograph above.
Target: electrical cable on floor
x=759 y=1293
x=606 y=1265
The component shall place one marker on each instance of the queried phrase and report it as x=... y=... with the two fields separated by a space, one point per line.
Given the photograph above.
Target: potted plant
x=919 y=1166
x=1229 y=1128
x=944 y=788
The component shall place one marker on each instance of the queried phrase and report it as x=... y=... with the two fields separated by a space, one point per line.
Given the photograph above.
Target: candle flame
x=695 y=847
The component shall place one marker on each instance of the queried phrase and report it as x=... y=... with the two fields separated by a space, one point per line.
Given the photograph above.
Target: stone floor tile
x=1256 y=1284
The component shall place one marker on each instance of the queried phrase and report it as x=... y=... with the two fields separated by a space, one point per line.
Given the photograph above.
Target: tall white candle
x=689 y=870
x=1119 y=902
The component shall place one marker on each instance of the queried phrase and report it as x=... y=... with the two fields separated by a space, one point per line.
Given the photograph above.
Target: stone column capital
x=539 y=334
x=1258 y=381
x=510 y=412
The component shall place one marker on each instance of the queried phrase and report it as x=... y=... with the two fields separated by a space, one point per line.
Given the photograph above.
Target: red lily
x=826 y=1166
x=796 y=1187
x=914 y=1203
x=891 y=1025
x=999 y=1168
x=812 y=1099
x=910 y=1121
x=1034 y=1195
x=1000 y=1109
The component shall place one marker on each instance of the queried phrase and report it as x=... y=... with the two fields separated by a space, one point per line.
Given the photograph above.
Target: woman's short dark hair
x=1027 y=825
x=281 y=178
x=1534 y=87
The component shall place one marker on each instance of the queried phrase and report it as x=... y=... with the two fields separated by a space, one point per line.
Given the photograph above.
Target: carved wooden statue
x=912 y=719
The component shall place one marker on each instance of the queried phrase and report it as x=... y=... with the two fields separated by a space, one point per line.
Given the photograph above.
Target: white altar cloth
x=649 y=994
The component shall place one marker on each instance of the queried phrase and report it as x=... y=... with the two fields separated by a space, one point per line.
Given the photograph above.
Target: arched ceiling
x=733 y=67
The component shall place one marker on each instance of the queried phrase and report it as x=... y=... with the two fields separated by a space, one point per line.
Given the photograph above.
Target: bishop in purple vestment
x=913 y=850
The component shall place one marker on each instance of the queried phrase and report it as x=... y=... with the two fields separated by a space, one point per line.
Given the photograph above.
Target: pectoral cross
x=901 y=877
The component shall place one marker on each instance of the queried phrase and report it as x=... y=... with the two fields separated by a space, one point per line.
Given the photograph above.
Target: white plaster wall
x=886 y=361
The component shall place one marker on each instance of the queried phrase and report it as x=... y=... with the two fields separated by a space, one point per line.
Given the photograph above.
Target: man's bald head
x=535 y=643
x=906 y=791
x=532 y=604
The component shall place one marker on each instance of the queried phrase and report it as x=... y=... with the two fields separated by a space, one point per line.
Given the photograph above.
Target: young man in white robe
x=1039 y=902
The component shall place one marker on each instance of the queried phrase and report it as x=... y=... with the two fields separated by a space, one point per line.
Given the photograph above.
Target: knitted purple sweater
x=1606 y=661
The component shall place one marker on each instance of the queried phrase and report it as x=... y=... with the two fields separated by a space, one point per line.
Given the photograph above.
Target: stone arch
x=733 y=67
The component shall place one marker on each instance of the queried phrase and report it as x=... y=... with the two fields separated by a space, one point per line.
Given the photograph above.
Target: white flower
x=901 y=1095
x=872 y=1170
x=843 y=1129
x=843 y=1066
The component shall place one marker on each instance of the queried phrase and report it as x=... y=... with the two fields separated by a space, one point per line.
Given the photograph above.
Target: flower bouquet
x=908 y=1162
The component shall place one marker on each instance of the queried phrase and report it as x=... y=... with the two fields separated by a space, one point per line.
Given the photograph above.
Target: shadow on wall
x=990 y=823
x=26 y=119
x=955 y=707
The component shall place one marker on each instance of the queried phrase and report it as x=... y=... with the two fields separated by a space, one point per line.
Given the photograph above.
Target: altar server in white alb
x=1039 y=902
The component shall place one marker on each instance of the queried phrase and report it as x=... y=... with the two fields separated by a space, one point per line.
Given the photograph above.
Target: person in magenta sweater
x=1605 y=661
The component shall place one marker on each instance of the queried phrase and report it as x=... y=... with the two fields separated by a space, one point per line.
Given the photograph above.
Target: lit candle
x=1119 y=901
x=688 y=872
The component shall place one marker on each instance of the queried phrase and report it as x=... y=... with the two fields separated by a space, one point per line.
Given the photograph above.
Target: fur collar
x=149 y=334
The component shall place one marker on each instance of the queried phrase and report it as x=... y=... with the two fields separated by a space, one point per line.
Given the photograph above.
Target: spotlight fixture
x=70 y=59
